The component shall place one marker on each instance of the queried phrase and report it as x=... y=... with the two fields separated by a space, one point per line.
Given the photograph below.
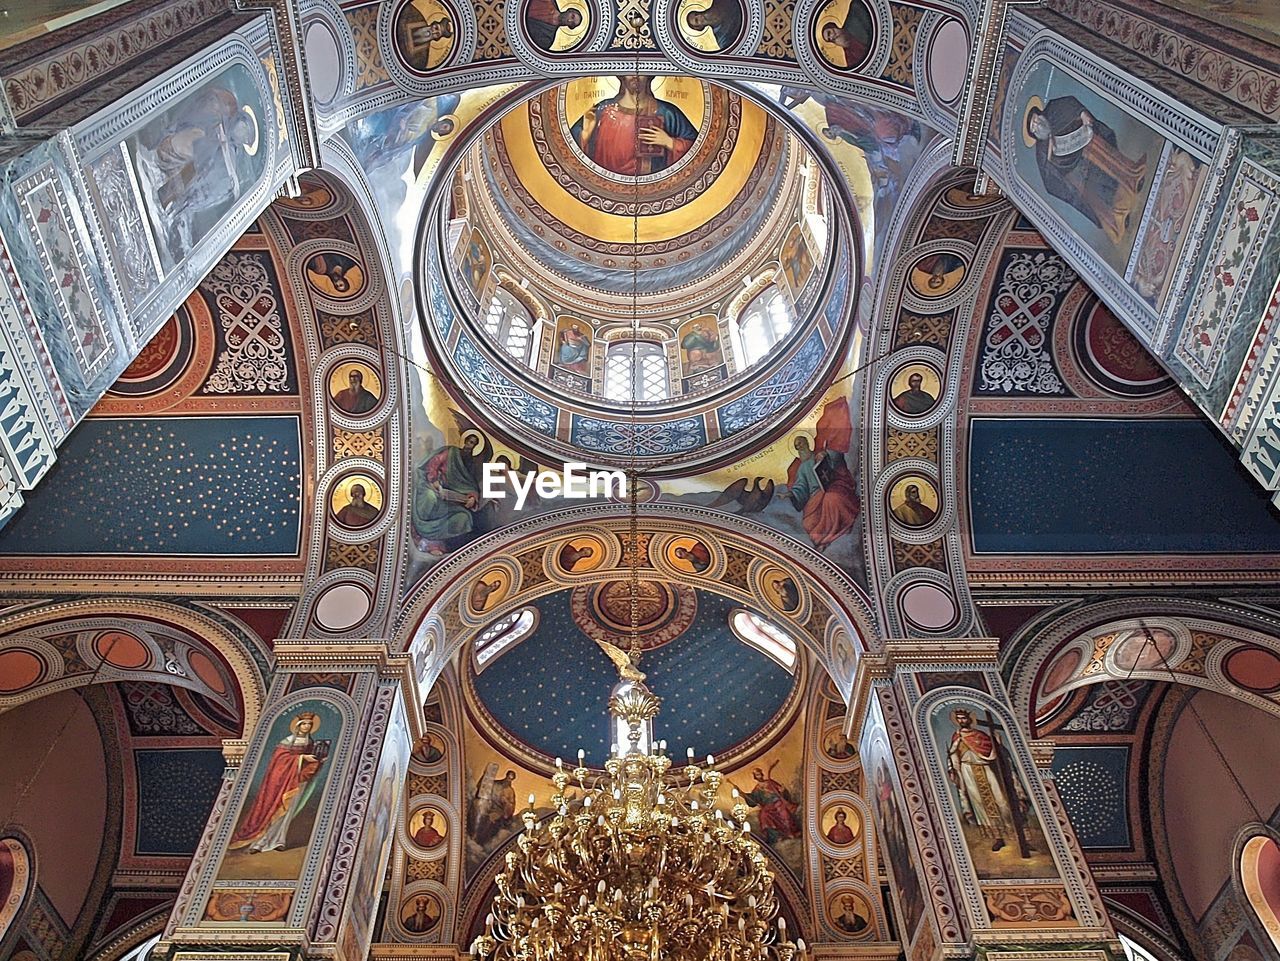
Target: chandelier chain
x=633 y=587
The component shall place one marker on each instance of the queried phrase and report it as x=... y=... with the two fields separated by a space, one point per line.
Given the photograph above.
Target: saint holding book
x=634 y=132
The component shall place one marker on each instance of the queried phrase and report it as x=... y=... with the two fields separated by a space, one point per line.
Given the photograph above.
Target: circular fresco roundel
x=162 y=361
x=844 y=33
x=421 y=913
x=634 y=129
x=709 y=26
x=913 y=500
x=426 y=35
x=592 y=153
x=663 y=611
x=557 y=26
x=1112 y=357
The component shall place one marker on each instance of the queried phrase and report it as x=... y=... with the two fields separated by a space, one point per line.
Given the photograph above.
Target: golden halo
x=1033 y=103
x=703 y=39
x=573 y=36
x=305 y=715
x=252 y=148
x=828 y=15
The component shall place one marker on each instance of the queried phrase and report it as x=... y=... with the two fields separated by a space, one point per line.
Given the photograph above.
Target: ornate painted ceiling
x=954 y=437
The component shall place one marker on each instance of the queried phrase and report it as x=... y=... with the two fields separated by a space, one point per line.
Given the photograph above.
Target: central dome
x=647 y=265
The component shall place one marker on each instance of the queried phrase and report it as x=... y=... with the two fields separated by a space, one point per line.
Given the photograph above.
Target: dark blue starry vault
x=551 y=690
x=172 y=485
x=1059 y=486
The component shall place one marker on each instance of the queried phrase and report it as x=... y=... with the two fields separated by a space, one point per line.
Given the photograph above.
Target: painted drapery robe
x=287 y=786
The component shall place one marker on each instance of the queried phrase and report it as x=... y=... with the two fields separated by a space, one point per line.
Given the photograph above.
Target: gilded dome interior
x=659 y=245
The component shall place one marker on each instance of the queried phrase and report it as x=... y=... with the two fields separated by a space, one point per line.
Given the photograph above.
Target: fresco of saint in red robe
x=634 y=133
x=286 y=787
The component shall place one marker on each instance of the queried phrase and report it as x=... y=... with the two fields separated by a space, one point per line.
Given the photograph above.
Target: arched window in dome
x=510 y=325
x=1259 y=867
x=636 y=368
x=1133 y=951
x=769 y=640
x=143 y=951
x=764 y=322
x=501 y=634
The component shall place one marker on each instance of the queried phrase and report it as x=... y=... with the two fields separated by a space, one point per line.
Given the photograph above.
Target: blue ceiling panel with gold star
x=188 y=485
x=550 y=691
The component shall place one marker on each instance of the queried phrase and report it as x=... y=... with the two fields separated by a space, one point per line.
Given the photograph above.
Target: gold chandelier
x=637 y=863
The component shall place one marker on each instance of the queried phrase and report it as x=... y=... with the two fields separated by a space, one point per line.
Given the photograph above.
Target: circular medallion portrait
x=780 y=590
x=420 y=913
x=580 y=555
x=841 y=824
x=842 y=657
x=488 y=590
x=557 y=26
x=689 y=554
x=843 y=33
x=849 y=912
x=425 y=34
x=914 y=389
x=335 y=275
x=913 y=500
x=428 y=827
x=936 y=275
x=428 y=749
x=354 y=387
x=356 y=501
x=637 y=125
x=836 y=746
x=709 y=25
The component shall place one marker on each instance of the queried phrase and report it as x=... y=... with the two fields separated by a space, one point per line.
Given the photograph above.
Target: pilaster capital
x=306 y=654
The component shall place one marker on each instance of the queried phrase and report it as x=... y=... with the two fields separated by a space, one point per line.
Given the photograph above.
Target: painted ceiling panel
x=1040 y=486
x=195 y=485
x=551 y=690
x=176 y=790
x=1093 y=782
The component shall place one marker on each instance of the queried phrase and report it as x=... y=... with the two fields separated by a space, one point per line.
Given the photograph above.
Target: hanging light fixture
x=637 y=863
